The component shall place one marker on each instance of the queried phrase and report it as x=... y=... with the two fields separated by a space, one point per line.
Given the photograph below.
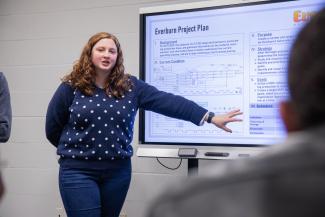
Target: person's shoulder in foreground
x=283 y=181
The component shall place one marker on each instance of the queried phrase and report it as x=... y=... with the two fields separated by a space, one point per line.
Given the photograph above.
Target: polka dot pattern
x=100 y=127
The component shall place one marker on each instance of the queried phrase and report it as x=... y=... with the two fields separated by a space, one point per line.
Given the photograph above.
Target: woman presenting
x=90 y=120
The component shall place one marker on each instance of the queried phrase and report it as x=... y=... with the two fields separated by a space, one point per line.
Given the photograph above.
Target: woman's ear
x=289 y=116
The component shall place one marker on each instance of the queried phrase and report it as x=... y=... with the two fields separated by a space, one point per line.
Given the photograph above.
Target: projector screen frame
x=171 y=149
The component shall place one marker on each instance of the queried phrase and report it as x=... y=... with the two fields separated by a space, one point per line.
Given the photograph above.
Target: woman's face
x=104 y=55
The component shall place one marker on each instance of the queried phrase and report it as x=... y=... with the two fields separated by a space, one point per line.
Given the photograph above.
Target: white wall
x=39 y=41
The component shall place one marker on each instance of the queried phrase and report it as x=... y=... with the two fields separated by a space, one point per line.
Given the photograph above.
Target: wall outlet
x=123 y=215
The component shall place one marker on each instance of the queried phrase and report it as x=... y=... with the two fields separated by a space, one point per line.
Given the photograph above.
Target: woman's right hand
x=222 y=120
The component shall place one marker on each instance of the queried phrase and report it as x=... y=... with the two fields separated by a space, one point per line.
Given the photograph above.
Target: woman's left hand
x=222 y=120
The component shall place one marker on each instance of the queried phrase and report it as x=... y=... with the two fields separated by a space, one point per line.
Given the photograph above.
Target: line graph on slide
x=203 y=80
x=207 y=70
x=207 y=84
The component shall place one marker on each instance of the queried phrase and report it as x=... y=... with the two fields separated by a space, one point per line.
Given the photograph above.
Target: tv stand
x=193 y=166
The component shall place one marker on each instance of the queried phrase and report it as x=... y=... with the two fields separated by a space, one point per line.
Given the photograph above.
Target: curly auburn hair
x=83 y=72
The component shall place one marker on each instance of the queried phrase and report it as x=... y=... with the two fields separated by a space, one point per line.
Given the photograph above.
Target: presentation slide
x=223 y=58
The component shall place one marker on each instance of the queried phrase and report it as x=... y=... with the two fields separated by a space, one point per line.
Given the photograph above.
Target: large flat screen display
x=222 y=57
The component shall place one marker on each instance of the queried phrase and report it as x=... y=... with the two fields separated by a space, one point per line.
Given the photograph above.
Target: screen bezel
x=143 y=17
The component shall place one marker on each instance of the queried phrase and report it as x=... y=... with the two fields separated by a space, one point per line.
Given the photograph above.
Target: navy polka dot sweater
x=95 y=131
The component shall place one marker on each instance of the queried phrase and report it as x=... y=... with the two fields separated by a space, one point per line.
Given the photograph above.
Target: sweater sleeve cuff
x=203 y=118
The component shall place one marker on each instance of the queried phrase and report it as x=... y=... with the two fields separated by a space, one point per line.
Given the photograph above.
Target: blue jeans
x=94 y=193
